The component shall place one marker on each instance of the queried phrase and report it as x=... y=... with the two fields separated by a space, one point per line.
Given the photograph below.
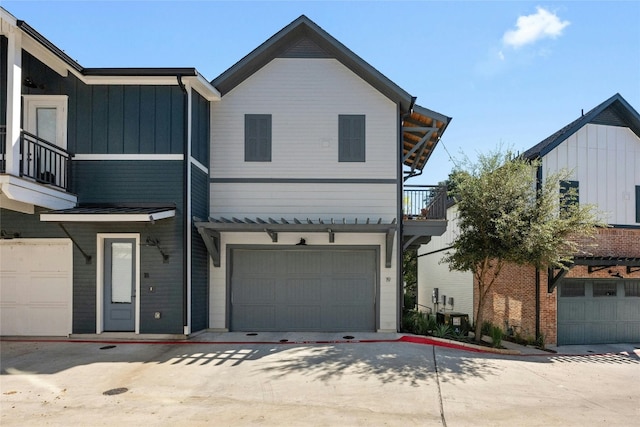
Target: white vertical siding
x=386 y=276
x=605 y=160
x=432 y=274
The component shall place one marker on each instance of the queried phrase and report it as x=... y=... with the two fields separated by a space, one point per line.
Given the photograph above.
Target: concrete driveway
x=333 y=383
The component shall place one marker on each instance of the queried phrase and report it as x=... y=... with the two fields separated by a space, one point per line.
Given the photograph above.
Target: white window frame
x=59 y=102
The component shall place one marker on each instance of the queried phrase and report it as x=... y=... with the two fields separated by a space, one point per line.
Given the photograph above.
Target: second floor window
x=351 y=140
x=257 y=137
x=568 y=195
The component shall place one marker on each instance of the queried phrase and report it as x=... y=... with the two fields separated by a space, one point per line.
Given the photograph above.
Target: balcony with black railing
x=40 y=160
x=424 y=210
x=424 y=202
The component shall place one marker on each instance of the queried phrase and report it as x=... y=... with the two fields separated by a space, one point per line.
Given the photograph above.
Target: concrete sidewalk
x=380 y=382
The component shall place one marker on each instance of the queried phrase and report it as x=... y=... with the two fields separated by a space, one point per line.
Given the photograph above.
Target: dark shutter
x=257 y=137
x=351 y=138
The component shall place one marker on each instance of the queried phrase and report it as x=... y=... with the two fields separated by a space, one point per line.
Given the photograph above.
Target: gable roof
x=615 y=111
x=305 y=37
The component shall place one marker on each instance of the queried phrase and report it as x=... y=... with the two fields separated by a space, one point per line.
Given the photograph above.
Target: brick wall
x=511 y=302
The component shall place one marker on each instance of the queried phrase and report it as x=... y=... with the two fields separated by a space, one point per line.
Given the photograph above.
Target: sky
x=509 y=73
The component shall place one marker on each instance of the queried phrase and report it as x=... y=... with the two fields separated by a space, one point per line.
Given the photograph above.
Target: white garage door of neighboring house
x=303 y=290
x=36 y=287
x=598 y=311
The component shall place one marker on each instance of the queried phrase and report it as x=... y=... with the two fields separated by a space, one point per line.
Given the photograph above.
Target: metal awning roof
x=210 y=230
x=421 y=131
x=110 y=214
x=594 y=263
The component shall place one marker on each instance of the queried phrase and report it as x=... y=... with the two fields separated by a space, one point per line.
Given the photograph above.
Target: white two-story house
x=308 y=147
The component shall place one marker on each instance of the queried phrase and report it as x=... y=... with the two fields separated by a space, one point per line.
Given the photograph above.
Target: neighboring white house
x=453 y=286
x=598 y=299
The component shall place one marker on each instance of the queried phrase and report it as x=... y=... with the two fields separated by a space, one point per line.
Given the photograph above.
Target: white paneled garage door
x=598 y=311
x=36 y=287
x=303 y=290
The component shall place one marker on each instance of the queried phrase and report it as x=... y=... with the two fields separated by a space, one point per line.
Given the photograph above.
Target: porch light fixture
x=28 y=82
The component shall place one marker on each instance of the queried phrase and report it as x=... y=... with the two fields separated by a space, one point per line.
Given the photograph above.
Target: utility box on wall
x=459 y=322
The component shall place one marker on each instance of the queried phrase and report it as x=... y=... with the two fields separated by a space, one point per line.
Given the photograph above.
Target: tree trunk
x=479 y=316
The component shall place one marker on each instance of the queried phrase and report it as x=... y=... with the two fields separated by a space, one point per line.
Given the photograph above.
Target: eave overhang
x=210 y=230
x=110 y=214
x=300 y=28
x=421 y=130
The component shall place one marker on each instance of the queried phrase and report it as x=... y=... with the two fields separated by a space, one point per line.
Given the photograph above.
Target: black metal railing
x=3 y=149
x=425 y=202
x=43 y=161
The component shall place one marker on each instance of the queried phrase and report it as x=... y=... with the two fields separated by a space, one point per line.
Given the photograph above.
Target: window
x=46 y=117
x=569 y=195
x=351 y=142
x=638 y=203
x=257 y=137
x=605 y=289
x=572 y=289
x=632 y=289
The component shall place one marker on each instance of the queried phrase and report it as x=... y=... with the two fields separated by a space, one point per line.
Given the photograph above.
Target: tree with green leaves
x=506 y=216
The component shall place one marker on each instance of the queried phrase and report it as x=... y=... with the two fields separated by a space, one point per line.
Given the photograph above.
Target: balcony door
x=45 y=116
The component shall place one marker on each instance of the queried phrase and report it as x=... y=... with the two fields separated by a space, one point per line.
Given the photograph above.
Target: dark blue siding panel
x=163 y=120
x=49 y=82
x=84 y=131
x=115 y=128
x=177 y=121
x=199 y=255
x=111 y=119
x=3 y=80
x=147 y=119
x=131 y=120
x=99 y=119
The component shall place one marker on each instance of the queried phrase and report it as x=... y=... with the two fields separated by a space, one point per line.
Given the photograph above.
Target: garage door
x=303 y=290
x=592 y=312
x=36 y=287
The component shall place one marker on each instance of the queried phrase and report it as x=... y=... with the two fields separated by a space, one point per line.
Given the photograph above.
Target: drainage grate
x=347 y=337
x=115 y=391
x=251 y=334
x=284 y=340
x=107 y=347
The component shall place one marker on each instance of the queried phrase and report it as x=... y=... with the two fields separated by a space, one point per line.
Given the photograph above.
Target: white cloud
x=531 y=28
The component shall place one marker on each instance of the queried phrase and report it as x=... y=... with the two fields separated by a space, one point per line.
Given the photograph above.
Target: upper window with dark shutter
x=257 y=137
x=351 y=141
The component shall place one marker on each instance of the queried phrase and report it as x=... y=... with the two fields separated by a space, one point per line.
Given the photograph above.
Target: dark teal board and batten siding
x=199 y=255
x=164 y=277
x=114 y=119
x=3 y=80
x=200 y=135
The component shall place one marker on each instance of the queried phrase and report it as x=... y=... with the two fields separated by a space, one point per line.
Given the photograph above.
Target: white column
x=14 y=86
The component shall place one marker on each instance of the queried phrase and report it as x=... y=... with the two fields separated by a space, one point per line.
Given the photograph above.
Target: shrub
x=443 y=331
x=496 y=336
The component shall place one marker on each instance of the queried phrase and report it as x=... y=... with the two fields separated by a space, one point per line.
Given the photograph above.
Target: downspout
x=185 y=198
x=400 y=179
